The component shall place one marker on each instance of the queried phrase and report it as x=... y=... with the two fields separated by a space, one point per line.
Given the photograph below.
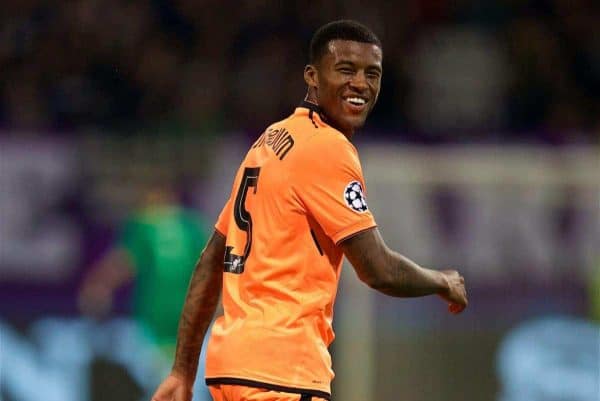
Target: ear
x=310 y=76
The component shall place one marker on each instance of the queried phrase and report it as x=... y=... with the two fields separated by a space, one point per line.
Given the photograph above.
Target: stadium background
x=482 y=154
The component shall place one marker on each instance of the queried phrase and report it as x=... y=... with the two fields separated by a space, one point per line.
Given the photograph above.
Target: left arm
x=394 y=274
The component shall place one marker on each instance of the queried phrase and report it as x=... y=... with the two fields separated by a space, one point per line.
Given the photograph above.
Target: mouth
x=356 y=104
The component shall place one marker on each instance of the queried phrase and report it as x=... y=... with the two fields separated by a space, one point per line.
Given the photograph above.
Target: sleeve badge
x=355 y=198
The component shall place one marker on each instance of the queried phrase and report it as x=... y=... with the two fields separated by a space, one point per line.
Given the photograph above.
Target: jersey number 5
x=235 y=263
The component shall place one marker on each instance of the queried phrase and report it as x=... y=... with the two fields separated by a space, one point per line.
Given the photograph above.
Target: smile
x=356 y=101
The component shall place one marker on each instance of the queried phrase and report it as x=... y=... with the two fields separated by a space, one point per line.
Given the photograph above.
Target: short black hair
x=342 y=29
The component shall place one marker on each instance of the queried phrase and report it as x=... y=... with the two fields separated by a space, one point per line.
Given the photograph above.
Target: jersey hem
x=268 y=386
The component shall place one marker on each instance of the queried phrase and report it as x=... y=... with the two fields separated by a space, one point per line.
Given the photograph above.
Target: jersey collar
x=313 y=108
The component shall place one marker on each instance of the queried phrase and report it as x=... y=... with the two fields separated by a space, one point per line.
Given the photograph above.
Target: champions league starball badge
x=354 y=197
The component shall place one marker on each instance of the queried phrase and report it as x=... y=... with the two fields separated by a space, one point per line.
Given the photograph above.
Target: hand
x=173 y=388
x=95 y=300
x=455 y=294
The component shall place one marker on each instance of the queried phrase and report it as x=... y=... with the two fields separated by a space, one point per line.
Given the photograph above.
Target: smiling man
x=297 y=206
x=344 y=76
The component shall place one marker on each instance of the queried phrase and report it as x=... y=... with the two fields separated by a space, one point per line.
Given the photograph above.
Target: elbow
x=374 y=279
x=368 y=279
x=387 y=284
x=378 y=283
x=375 y=272
x=383 y=278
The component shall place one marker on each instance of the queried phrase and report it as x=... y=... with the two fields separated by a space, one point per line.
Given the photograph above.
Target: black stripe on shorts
x=304 y=392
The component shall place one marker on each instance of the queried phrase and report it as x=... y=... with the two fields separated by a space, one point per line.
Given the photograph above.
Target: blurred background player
x=156 y=250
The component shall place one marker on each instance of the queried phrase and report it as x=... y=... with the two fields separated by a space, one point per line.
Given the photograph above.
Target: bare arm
x=200 y=305
x=395 y=275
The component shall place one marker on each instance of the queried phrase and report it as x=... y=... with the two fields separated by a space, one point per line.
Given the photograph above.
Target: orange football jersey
x=298 y=193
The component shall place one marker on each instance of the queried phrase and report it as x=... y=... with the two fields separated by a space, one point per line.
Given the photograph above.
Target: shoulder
x=334 y=140
x=329 y=145
x=324 y=156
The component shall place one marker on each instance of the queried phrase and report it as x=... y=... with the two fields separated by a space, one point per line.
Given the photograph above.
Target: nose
x=359 y=81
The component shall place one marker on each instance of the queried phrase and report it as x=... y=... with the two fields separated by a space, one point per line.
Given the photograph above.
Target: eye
x=345 y=70
x=373 y=74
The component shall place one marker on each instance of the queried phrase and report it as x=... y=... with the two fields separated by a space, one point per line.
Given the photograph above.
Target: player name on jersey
x=280 y=140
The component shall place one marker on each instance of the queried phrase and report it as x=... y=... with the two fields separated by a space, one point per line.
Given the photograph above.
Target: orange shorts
x=228 y=392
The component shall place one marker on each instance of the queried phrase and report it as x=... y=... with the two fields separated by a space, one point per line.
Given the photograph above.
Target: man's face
x=348 y=79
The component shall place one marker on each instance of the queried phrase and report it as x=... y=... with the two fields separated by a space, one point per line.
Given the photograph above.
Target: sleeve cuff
x=352 y=230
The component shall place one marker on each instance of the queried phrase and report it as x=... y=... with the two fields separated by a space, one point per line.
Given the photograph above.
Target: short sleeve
x=222 y=224
x=332 y=189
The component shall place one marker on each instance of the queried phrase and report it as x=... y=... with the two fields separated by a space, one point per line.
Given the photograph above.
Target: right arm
x=200 y=305
x=393 y=274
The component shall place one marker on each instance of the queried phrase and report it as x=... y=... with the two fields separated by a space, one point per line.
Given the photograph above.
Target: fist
x=455 y=293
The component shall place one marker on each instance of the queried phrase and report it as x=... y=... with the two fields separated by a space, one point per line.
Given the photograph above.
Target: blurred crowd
x=458 y=71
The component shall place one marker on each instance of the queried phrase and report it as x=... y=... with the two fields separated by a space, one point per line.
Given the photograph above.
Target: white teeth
x=356 y=100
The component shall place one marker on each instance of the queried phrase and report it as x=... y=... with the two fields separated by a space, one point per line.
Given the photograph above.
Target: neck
x=312 y=98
